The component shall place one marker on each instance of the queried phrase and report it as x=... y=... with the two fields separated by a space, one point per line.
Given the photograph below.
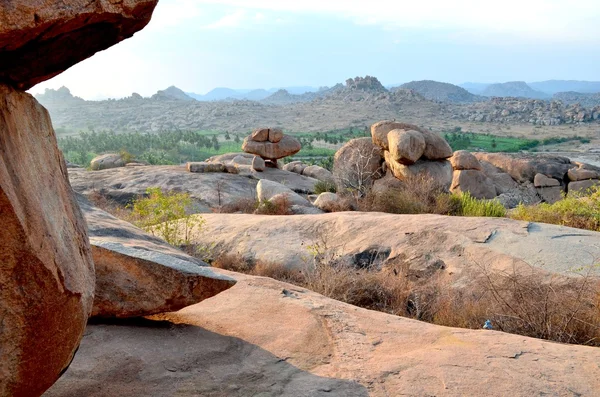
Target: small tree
x=166 y=215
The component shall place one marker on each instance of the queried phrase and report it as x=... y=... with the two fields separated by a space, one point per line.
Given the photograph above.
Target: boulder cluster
x=271 y=144
x=398 y=151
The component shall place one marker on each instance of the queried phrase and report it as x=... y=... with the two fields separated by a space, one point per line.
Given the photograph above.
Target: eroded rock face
x=138 y=274
x=46 y=270
x=40 y=39
x=474 y=182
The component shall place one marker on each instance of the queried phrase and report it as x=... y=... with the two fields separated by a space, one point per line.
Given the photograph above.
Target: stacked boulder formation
x=47 y=280
x=271 y=144
x=398 y=151
x=468 y=176
x=410 y=150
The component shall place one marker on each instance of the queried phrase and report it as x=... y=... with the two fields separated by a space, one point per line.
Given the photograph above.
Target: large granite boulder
x=138 y=274
x=267 y=190
x=406 y=146
x=318 y=172
x=474 y=182
x=40 y=39
x=47 y=276
x=357 y=165
x=107 y=161
x=436 y=147
x=464 y=160
x=439 y=171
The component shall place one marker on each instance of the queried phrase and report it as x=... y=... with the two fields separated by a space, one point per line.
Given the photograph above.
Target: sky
x=198 y=45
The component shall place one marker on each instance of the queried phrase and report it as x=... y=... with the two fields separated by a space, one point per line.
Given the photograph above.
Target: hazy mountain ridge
x=357 y=103
x=439 y=91
x=516 y=89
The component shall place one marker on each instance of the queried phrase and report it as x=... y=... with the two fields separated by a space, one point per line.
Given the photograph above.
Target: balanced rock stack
x=271 y=145
x=47 y=280
x=468 y=176
x=410 y=150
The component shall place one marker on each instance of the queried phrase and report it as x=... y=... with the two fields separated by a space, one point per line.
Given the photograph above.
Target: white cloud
x=232 y=20
x=530 y=18
x=171 y=13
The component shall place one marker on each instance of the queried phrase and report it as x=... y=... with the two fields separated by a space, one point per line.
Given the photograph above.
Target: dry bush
x=418 y=194
x=558 y=308
x=100 y=200
x=276 y=206
x=245 y=205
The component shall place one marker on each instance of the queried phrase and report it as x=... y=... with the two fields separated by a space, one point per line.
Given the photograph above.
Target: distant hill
x=552 y=87
x=63 y=94
x=228 y=94
x=516 y=89
x=444 y=92
x=474 y=88
x=588 y=100
x=172 y=93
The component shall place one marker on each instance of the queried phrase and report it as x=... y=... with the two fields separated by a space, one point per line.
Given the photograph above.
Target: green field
x=471 y=141
x=178 y=147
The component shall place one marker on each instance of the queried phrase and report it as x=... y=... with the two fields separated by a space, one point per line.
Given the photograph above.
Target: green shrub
x=575 y=210
x=166 y=215
x=323 y=187
x=463 y=204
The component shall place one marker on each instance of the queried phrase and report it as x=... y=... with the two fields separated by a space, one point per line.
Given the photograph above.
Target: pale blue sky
x=198 y=45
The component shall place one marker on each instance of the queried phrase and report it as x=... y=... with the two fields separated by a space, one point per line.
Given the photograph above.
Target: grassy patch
x=575 y=210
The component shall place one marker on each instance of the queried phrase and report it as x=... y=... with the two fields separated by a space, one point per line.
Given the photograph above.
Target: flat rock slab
x=462 y=243
x=208 y=189
x=264 y=337
x=138 y=274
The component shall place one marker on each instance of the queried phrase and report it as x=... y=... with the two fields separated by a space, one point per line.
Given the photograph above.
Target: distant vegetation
x=471 y=141
x=177 y=147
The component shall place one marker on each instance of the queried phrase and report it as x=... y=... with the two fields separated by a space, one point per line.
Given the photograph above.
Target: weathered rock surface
x=260 y=135
x=406 y=146
x=436 y=147
x=475 y=182
x=295 y=166
x=440 y=171
x=327 y=202
x=524 y=167
x=258 y=164
x=138 y=274
x=267 y=190
x=464 y=160
x=38 y=40
x=318 y=172
x=287 y=146
x=47 y=274
x=550 y=194
x=107 y=161
x=357 y=165
x=583 y=186
x=203 y=166
x=209 y=190
x=462 y=243
x=275 y=135
x=581 y=174
x=541 y=180
x=264 y=337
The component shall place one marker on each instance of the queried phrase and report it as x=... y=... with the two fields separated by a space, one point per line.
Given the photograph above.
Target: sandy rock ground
x=462 y=243
x=267 y=338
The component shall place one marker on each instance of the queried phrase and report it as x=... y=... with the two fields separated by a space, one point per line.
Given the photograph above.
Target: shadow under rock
x=140 y=357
